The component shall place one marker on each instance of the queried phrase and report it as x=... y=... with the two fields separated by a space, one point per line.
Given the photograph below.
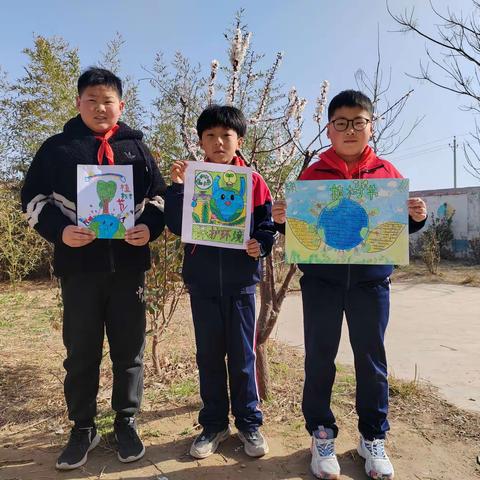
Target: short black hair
x=98 y=76
x=222 y=116
x=350 y=98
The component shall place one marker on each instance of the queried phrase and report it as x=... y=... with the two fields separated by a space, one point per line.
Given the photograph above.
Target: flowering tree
x=272 y=145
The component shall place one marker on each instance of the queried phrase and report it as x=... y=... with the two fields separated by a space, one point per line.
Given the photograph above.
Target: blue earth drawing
x=343 y=224
x=107 y=226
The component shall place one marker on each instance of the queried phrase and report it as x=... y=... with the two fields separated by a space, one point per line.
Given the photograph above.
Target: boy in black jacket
x=102 y=281
x=222 y=283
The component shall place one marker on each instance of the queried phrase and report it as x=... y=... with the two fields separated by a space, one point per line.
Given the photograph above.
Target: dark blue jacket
x=215 y=271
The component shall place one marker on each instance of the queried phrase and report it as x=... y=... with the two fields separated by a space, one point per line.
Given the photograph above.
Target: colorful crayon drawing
x=217 y=205
x=105 y=200
x=347 y=221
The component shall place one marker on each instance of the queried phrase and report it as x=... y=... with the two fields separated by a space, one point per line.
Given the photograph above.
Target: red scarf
x=105 y=148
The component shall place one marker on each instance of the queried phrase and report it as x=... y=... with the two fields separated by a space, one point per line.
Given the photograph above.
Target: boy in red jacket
x=362 y=292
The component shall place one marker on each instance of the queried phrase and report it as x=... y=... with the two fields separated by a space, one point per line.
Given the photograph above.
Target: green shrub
x=22 y=250
x=434 y=242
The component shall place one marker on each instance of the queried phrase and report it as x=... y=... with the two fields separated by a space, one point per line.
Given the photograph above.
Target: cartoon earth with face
x=227 y=204
x=107 y=226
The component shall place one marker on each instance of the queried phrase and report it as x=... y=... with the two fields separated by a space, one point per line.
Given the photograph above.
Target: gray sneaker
x=207 y=442
x=254 y=443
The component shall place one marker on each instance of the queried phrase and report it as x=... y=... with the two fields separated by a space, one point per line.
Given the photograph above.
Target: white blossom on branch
x=211 y=81
x=321 y=102
x=187 y=134
x=267 y=88
x=237 y=52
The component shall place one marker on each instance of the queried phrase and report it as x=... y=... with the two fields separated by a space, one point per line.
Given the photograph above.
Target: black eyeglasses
x=358 y=124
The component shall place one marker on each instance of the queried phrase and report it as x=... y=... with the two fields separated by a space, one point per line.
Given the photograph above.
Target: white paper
x=217 y=205
x=105 y=200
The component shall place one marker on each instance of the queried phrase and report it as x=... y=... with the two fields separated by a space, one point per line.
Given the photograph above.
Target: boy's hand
x=279 y=211
x=74 y=236
x=138 y=235
x=253 y=248
x=417 y=209
x=177 y=171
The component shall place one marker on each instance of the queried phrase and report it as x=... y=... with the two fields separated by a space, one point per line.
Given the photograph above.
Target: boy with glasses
x=361 y=291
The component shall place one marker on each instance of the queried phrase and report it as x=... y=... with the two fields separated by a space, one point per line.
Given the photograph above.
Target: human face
x=220 y=144
x=350 y=143
x=100 y=107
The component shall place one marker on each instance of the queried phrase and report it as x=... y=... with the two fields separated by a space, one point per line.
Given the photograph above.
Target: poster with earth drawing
x=217 y=205
x=347 y=221
x=105 y=201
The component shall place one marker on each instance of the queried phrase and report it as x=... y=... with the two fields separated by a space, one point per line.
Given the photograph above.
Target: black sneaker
x=207 y=442
x=81 y=441
x=130 y=447
x=254 y=443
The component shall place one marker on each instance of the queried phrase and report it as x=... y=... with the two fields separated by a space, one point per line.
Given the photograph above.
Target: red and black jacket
x=331 y=167
x=215 y=271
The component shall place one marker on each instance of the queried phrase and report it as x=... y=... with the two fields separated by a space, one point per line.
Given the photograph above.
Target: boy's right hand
x=74 y=236
x=279 y=211
x=177 y=171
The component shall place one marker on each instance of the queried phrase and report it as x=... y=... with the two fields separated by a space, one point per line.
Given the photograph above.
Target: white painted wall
x=464 y=204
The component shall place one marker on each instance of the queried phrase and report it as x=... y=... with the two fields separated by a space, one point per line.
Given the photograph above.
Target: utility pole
x=454 y=148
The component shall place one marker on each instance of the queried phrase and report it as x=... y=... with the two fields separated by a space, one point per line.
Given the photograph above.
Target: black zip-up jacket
x=49 y=197
x=215 y=271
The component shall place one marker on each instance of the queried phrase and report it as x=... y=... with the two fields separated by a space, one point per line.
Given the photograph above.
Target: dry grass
x=31 y=378
x=456 y=273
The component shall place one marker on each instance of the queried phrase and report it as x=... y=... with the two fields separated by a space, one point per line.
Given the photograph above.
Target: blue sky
x=320 y=40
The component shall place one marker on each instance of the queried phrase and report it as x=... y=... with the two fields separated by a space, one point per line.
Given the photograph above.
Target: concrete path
x=435 y=327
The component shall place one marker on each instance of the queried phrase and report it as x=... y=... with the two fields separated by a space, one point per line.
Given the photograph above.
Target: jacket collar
x=76 y=128
x=329 y=160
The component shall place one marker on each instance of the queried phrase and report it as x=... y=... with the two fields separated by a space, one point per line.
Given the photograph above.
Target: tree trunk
x=155 y=360
x=271 y=301
x=263 y=375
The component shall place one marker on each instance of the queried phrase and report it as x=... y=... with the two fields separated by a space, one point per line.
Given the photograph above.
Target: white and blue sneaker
x=377 y=463
x=324 y=463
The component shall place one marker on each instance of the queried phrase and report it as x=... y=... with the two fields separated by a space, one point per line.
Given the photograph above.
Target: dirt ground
x=429 y=440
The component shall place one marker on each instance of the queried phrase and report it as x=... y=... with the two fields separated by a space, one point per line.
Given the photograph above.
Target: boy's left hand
x=253 y=248
x=138 y=235
x=417 y=209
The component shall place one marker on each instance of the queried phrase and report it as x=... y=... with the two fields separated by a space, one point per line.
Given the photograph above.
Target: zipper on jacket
x=348 y=276
x=110 y=256
x=220 y=272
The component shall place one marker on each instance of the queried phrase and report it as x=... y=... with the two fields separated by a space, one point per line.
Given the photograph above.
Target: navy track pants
x=225 y=328
x=366 y=307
